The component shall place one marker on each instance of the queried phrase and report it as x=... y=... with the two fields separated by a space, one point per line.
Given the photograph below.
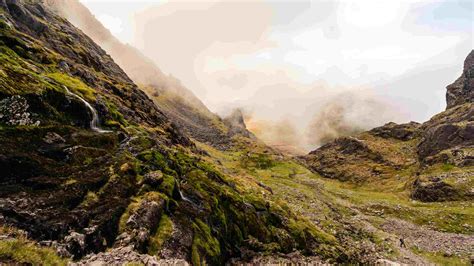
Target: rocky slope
x=72 y=184
x=437 y=156
x=411 y=181
x=176 y=101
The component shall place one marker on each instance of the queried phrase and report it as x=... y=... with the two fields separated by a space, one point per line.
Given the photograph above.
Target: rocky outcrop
x=446 y=136
x=434 y=148
x=462 y=90
x=141 y=223
x=397 y=131
x=449 y=136
x=236 y=124
x=433 y=190
x=348 y=159
x=125 y=256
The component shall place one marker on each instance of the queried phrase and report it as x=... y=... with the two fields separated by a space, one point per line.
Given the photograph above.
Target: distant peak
x=462 y=90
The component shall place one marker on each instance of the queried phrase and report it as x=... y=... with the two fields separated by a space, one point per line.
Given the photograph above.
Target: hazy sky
x=282 y=59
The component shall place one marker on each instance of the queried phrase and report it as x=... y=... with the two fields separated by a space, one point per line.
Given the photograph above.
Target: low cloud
x=347 y=114
x=320 y=117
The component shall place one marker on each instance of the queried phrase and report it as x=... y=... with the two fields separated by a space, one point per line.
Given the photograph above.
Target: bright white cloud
x=114 y=24
x=280 y=58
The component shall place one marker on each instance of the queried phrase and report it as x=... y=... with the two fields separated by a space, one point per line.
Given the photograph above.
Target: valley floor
x=374 y=217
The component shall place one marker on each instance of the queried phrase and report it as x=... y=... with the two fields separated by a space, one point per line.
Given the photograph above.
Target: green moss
x=447 y=167
x=117 y=117
x=132 y=207
x=88 y=160
x=305 y=233
x=90 y=199
x=164 y=231
x=204 y=246
x=135 y=203
x=74 y=85
x=19 y=76
x=168 y=185
x=134 y=264
x=256 y=160
x=70 y=182
x=22 y=251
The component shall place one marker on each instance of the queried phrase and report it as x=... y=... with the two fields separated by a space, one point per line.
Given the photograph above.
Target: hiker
x=402 y=243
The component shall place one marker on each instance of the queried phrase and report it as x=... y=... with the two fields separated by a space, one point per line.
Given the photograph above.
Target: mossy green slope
x=62 y=181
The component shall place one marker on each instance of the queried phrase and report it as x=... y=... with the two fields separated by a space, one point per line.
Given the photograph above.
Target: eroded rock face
x=235 y=122
x=397 y=131
x=446 y=136
x=462 y=90
x=433 y=190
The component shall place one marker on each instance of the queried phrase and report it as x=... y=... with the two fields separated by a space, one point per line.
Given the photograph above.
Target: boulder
x=141 y=223
x=153 y=179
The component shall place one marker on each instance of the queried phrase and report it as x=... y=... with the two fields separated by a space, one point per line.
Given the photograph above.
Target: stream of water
x=94 y=124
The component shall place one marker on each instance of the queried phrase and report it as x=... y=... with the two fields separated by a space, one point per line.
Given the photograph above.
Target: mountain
x=178 y=102
x=437 y=157
x=95 y=171
x=88 y=162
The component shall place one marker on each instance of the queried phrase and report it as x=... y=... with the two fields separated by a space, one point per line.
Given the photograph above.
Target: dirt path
x=314 y=205
x=430 y=240
x=390 y=229
x=404 y=255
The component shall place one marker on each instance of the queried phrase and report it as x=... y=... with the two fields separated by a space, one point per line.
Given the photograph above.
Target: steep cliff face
x=89 y=162
x=462 y=90
x=437 y=155
x=449 y=136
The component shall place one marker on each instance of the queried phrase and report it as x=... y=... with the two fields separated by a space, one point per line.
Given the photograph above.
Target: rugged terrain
x=94 y=170
x=133 y=180
x=435 y=159
x=175 y=100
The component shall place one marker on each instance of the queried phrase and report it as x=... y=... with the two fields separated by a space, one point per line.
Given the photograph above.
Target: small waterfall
x=181 y=195
x=94 y=124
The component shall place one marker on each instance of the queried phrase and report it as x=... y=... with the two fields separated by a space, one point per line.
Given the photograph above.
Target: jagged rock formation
x=401 y=132
x=436 y=154
x=449 y=136
x=462 y=90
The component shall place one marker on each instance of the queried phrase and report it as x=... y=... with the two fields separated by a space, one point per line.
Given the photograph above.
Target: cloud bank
x=287 y=61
